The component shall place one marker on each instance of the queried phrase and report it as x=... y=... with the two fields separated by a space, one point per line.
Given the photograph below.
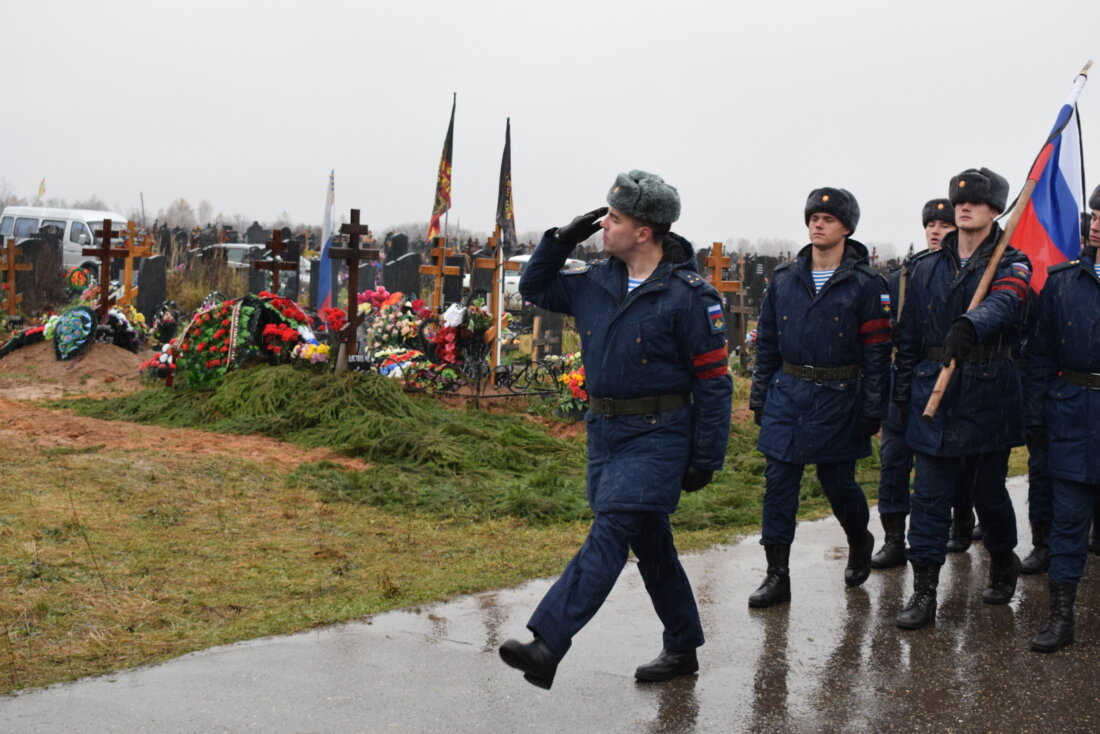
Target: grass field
x=111 y=558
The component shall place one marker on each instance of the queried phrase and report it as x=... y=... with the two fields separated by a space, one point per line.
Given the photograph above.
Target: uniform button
x=841 y=334
x=836 y=318
x=645 y=361
x=1069 y=323
x=638 y=340
x=784 y=318
x=588 y=333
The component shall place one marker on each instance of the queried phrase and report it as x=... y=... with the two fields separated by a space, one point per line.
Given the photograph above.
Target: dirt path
x=32 y=373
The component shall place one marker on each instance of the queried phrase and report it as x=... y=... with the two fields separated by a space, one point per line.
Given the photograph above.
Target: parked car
x=78 y=227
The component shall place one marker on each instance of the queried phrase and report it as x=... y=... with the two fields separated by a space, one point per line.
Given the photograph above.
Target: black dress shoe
x=668 y=665
x=535 y=659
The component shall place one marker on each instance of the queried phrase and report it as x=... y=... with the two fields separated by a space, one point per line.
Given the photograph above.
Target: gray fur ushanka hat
x=1094 y=200
x=979 y=186
x=938 y=209
x=838 y=202
x=645 y=196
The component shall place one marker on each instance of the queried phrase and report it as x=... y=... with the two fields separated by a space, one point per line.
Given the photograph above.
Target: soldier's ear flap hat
x=938 y=210
x=838 y=202
x=645 y=196
x=979 y=186
x=1094 y=200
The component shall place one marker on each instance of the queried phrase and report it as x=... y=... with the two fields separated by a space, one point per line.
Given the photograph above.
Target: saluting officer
x=895 y=458
x=656 y=367
x=980 y=418
x=819 y=386
x=1064 y=403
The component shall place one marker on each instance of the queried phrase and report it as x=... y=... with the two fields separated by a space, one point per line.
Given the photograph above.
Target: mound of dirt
x=33 y=372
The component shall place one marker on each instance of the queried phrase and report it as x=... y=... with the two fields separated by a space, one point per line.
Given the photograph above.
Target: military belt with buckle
x=1091 y=380
x=648 y=405
x=821 y=374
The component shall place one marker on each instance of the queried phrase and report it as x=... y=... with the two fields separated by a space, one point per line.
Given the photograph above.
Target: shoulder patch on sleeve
x=577 y=271
x=716 y=318
x=691 y=277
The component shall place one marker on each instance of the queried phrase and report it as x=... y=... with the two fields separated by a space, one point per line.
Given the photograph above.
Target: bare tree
x=178 y=214
x=205 y=213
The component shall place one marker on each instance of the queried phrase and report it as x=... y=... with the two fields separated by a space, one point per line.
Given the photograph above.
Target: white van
x=77 y=225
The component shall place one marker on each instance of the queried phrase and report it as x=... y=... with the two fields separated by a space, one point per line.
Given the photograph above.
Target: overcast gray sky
x=745 y=107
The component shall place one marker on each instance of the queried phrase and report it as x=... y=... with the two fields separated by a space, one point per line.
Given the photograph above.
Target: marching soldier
x=980 y=418
x=895 y=458
x=819 y=386
x=1064 y=403
x=658 y=422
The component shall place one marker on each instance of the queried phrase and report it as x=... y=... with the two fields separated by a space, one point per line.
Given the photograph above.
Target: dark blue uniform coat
x=1067 y=336
x=667 y=336
x=982 y=408
x=846 y=323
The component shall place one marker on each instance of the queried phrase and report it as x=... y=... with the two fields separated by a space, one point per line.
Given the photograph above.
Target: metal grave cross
x=105 y=253
x=438 y=269
x=353 y=254
x=275 y=264
x=12 y=299
x=133 y=250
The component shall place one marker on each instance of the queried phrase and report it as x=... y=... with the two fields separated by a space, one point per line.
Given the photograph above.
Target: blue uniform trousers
x=781 y=487
x=896 y=459
x=1069 y=535
x=1040 y=485
x=590 y=576
x=936 y=485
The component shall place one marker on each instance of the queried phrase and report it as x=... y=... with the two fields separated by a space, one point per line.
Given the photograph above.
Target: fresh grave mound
x=34 y=372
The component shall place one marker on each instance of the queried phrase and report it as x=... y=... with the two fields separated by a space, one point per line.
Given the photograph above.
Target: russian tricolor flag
x=324 y=274
x=1049 y=230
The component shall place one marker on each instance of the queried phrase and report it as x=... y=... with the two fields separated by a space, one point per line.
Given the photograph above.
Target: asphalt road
x=832 y=661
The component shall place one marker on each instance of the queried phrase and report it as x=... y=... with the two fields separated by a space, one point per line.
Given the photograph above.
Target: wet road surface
x=832 y=661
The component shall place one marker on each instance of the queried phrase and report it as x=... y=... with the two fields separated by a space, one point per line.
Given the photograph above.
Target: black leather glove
x=695 y=479
x=865 y=427
x=758 y=416
x=960 y=340
x=581 y=228
x=903 y=411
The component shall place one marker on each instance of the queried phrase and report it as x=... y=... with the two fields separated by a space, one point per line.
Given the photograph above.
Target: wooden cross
x=104 y=253
x=352 y=254
x=490 y=263
x=275 y=264
x=134 y=250
x=439 y=255
x=717 y=262
x=10 y=267
x=539 y=340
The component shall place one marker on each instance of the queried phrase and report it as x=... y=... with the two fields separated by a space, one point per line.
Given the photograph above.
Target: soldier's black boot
x=1059 y=630
x=920 y=610
x=776 y=588
x=1004 y=570
x=1038 y=560
x=962 y=529
x=892 y=552
x=860 y=549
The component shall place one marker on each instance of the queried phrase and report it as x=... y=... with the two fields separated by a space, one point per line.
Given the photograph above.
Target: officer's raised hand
x=581 y=228
x=960 y=341
x=695 y=479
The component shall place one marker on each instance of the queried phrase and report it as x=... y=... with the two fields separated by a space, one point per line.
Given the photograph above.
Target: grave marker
x=352 y=255
x=275 y=264
x=105 y=253
x=438 y=269
x=11 y=298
